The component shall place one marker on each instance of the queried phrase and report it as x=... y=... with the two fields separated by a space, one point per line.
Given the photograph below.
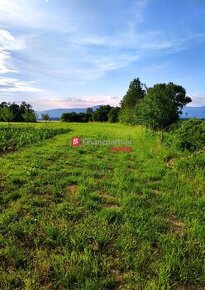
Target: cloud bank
x=53 y=49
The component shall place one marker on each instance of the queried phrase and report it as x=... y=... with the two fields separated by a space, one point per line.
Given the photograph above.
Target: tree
x=113 y=115
x=6 y=114
x=74 y=117
x=2 y=105
x=45 y=117
x=135 y=93
x=89 y=113
x=1 y=117
x=69 y=117
x=25 y=108
x=29 y=117
x=127 y=115
x=101 y=114
x=162 y=106
x=83 y=117
x=18 y=111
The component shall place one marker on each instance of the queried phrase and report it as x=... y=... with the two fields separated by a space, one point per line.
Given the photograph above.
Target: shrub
x=190 y=135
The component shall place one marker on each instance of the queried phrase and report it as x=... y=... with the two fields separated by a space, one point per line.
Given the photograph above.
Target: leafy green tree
x=69 y=117
x=89 y=113
x=74 y=117
x=29 y=117
x=18 y=111
x=113 y=115
x=83 y=117
x=2 y=105
x=45 y=117
x=26 y=108
x=6 y=114
x=128 y=116
x=162 y=106
x=135 y=93
x=101 y=114
x=1 y=117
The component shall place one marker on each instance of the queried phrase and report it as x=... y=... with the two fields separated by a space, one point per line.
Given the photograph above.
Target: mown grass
x=86 y=218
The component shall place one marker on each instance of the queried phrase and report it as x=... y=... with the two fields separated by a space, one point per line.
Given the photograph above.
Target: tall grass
x=13 y=138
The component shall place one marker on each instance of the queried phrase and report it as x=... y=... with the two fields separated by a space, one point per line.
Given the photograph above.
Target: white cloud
x=35 y=14
x=9 y=42
x=19 y=12
x=72 y=45
x=91 y=54
x=197 y=100
x=74 y=102
x=4 y=60
x=132 y=39
x=15 y=85
x=94 y=55
x=96 y=66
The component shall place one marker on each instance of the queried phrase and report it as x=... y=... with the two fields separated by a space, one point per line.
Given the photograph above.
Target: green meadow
x=88 y=218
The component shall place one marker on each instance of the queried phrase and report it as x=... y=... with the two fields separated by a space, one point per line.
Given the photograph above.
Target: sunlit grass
x=86 y=218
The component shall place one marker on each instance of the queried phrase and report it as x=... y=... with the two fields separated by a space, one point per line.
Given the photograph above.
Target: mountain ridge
x=193 y=112
x=187 y=112
x=56 y=113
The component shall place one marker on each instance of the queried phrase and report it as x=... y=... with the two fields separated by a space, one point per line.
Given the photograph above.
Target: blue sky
x=80 y=53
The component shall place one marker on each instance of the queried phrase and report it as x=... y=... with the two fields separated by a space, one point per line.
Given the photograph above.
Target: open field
x=87 y=218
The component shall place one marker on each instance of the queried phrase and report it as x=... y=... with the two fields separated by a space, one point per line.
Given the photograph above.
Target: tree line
x=104 y=113
x=11 y=112
x=156 y=107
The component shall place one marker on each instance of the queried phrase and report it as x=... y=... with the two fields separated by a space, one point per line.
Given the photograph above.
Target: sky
x=82 y=53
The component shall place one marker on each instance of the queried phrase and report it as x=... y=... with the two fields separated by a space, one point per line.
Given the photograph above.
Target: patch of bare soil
x=177 y=225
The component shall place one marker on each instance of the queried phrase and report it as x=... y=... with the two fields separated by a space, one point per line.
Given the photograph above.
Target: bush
x=190 y=135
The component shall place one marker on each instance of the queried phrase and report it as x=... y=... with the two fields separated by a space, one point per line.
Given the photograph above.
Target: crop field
x=13 y=138
x=89 y=218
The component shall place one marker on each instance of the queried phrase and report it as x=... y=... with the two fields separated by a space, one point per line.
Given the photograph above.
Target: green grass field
x=87 y=218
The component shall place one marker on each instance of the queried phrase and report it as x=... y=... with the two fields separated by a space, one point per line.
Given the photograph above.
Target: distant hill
x=56 y=113
x=188 y=112
x=193 y=112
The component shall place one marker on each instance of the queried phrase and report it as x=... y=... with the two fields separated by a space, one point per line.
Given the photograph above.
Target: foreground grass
x=86 y=218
